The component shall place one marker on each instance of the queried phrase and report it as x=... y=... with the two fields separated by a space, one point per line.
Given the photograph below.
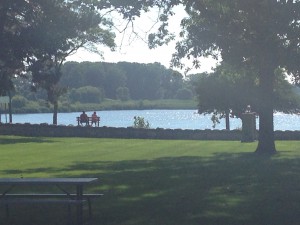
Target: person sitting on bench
x=95 y=119
x=84 y=118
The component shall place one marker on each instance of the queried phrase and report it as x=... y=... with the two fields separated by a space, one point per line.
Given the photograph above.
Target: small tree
x=139 y=122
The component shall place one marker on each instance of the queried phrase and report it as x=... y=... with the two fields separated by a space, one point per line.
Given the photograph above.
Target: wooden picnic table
x=77 y=198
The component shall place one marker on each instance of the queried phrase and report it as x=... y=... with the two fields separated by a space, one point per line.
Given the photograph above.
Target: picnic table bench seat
x=32 y=198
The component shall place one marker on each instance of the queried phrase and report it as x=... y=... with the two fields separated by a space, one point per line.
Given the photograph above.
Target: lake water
x=168 y=119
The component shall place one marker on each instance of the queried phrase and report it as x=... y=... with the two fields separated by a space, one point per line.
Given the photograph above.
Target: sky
x=135 y=49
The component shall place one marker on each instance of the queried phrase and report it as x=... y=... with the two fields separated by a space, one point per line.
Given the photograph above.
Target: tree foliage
x=228 y=92
x=64 y=28
x=38 y=35
x=262 y=35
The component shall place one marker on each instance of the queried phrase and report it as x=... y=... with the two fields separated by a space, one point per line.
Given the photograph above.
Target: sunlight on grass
x=167 y=182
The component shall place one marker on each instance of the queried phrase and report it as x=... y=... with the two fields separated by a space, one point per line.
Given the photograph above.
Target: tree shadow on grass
x=6 y=140
x=226 y=189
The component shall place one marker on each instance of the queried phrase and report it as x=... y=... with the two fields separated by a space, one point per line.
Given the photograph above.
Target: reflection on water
x=168 y=119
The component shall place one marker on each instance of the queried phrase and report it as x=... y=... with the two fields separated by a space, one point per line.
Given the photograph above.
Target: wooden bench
x=88 y=122
x=31 y=198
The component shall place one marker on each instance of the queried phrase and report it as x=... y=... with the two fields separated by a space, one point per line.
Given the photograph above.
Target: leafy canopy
x=262 y=35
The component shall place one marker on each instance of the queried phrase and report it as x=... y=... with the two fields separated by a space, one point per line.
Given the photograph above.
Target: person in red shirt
x=95 y=119
x=84 y=118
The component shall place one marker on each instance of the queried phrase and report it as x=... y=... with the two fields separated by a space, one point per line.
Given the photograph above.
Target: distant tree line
x=97 y=82
x=123 y=81
x=130 y=85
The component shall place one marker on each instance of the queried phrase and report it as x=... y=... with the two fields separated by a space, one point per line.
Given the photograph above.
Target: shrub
x=139 y=122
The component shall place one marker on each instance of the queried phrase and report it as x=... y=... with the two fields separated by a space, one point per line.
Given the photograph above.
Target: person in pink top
x=95 y=119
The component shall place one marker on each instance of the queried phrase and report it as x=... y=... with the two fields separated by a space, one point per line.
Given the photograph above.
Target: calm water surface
x=168 y=119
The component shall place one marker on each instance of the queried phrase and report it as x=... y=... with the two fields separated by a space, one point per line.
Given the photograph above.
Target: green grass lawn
x=162 y=182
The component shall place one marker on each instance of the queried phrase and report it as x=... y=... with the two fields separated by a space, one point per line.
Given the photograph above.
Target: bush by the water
x=139 y=122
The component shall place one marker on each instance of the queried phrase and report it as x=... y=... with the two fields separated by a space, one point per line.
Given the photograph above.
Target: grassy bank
x=108 y=104
x=160 y=182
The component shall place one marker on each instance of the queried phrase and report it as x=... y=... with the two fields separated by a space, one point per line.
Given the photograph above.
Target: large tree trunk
x=3 y=17
x=55 y=109
x=227 y=120
x=266 y=140
x=10 y=108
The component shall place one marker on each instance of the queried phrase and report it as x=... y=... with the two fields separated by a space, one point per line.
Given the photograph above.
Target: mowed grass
x=162 y=182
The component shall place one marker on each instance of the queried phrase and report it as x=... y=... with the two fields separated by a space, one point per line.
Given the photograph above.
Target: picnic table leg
x=79 y=206
x=7 y=210
x=69 y=217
